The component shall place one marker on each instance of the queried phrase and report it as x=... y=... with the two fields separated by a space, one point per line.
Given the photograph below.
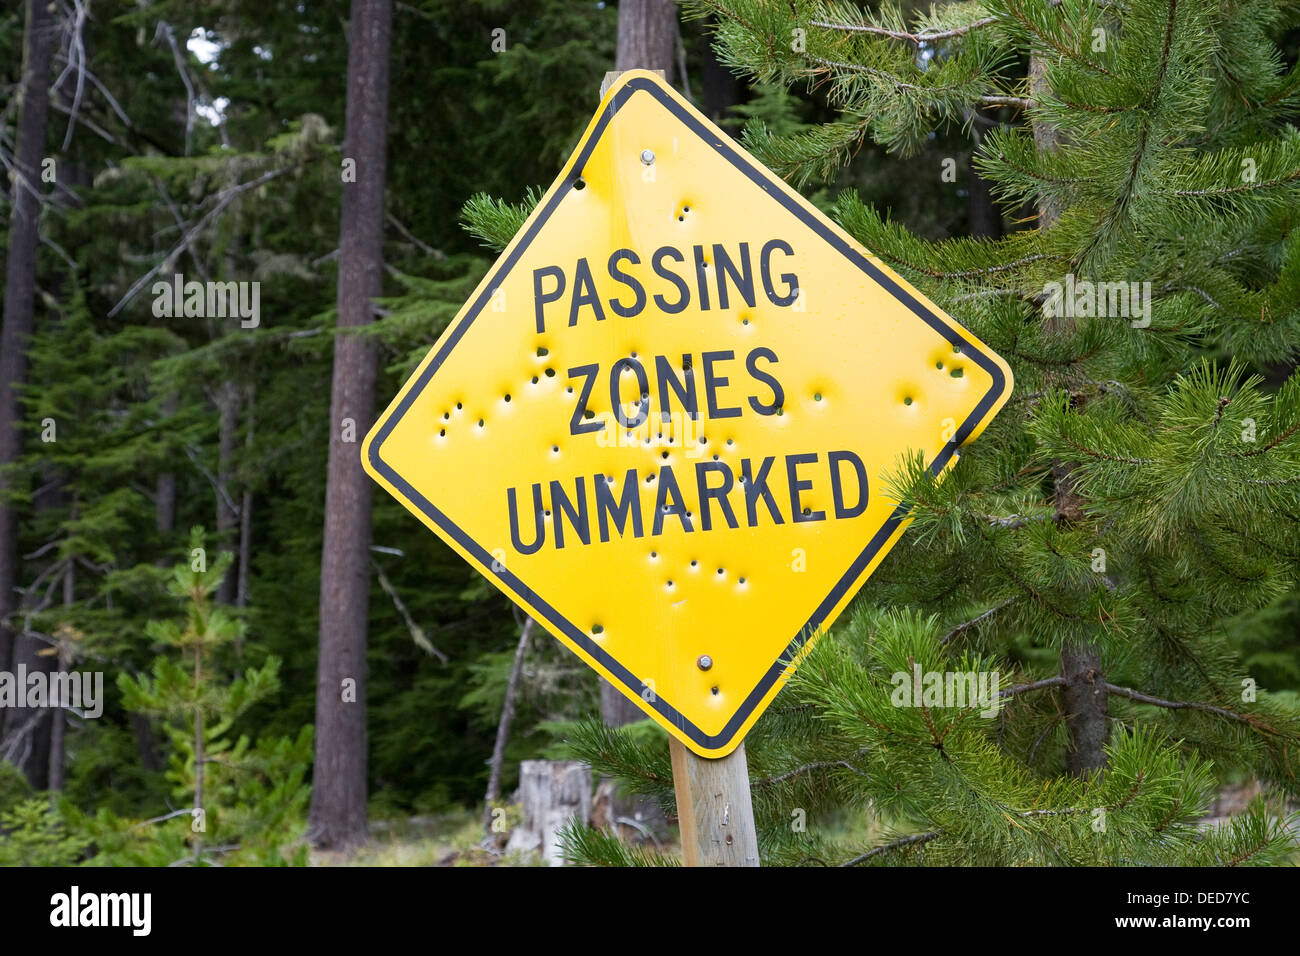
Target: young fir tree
x=241 y=802
x=1140 y=489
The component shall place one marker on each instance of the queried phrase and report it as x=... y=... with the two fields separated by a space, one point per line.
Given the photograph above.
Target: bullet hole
x=649 y=478
x=715 y=457
x=480 y=423
x=569 y=389
x=597 y=629
x=714 y=690
x=579 y=184
x=686 y=209
x=542 y=353
x=555 y=448
x=957 y=349
x=550 y=373
x=547 y=513
x=694 y=563
x=589 y=414
x=534 y=379
x=459 y=406
x=442 y=433
x=780 y=412
x=664 y=455
x=956 y=373
x=741 y=581
x=807 y=511
x=938 y=365
x=446 y=416
x=817 y=397
x=654 y=554
x=744 y=321
x=730 y=442
x=703 y=440
x=720 y=571
x=507 y=398
x=670 y=582
x=681 y=218
x=907 y=401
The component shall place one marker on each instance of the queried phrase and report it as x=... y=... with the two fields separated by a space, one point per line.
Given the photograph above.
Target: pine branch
x=496 y=222
x=1043 y=684
x=967 y=625
x=809 y=768
x=918 y=839
x=916 y=39
x=1251 y=721
x=224 y=198
x=1051 y=43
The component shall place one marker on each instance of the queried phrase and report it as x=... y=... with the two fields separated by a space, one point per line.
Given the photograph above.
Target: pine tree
x=139 y=436
x=1141 y=488
x=244 y=801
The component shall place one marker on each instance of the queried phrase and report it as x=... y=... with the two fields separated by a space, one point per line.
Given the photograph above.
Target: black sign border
x=764 y=179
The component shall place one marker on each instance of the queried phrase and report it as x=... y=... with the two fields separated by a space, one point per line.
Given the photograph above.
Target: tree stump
x=551 y=793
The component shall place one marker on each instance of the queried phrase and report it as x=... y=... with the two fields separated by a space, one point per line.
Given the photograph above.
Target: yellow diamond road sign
x=662 y=422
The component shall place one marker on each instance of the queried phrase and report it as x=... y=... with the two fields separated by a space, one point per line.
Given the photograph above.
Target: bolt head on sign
x=662 y=422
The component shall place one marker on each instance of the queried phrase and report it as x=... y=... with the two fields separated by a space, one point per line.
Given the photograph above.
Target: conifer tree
x=1140 y=489
x=242 y=800
x=221 y=159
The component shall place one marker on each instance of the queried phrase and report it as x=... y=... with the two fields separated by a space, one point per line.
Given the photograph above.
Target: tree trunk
x=983 y=218
x=1084 y=701
x=57 y=717
x=27 y=732
x=246 y=514
x=31 y=749
x=1046 y=136
x=20 y=286
x=551 y=793
x=199 y=758
x=165 y=488
x=338 y=808
x=146 y=741
x=721 y=90
x=227 y=519
x=647 y=33
x=503 y=727
x=1084 y=696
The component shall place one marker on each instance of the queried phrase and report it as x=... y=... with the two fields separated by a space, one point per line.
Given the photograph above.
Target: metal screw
x=647 y=156
x=705 y=662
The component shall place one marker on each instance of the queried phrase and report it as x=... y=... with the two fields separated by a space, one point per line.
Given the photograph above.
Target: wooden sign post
x=714 y=810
